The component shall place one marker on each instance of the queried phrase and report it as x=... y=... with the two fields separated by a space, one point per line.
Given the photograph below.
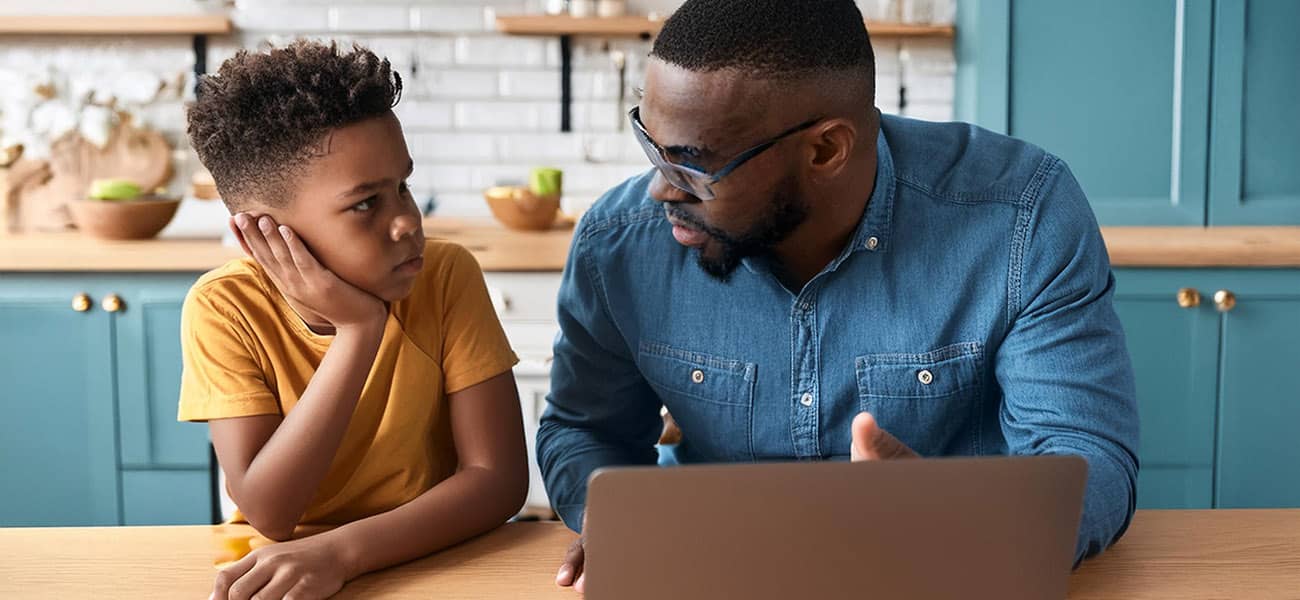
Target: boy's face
x=354 y=211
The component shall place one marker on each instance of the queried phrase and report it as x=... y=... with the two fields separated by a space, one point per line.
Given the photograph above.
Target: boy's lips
x=411 y=265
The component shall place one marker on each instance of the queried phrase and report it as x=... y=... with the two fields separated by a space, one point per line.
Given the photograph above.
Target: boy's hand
x=300 y=277
x=303 y=569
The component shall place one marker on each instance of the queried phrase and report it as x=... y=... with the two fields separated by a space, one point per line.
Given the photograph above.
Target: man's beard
x=784 y=214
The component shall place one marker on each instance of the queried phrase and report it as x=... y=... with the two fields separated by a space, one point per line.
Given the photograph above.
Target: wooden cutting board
x=36 y=197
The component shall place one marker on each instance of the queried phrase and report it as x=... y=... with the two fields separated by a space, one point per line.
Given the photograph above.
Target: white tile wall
x=478 y=107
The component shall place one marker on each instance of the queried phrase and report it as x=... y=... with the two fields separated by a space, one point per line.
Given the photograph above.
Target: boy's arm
x=274 y=465
x=488 y=488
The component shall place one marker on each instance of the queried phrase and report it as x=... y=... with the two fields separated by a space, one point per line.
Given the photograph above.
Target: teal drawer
x=172 y=497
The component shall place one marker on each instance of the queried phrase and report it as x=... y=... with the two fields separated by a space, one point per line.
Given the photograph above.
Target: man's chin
x=718 y=265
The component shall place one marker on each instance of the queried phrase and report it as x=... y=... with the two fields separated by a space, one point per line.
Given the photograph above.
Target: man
x=801 y=278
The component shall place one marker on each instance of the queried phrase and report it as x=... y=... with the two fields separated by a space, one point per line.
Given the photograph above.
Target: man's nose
x=662 y=191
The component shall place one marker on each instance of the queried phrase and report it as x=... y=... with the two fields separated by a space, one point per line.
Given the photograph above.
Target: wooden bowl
x=518 y=208
x=123 y=220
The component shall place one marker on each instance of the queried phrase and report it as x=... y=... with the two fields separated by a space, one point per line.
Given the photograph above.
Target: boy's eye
x=404 y=188
x=363 y=205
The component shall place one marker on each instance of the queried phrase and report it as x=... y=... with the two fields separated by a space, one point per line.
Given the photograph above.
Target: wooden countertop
x=1165 y=555
x=495 y=247
x=499 y=249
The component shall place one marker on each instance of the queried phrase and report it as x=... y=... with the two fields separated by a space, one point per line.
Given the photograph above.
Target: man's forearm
x=284 y=476
x=568 y=455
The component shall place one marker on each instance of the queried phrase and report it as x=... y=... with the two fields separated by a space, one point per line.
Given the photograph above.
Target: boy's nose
x=405 y=226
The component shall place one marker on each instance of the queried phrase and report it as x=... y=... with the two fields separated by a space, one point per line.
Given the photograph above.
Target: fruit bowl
x=517 y=207
x=138 y=219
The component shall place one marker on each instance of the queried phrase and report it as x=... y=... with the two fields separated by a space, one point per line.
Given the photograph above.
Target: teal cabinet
x=58 y=434
x=94 y=438
x=1255 y=154
x=1259 y=410
x=1175 y=352
x=1120 y=91
x=1218 y=385
x=1169 y=112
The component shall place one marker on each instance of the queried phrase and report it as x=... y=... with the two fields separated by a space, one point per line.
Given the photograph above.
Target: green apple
x=114 y=189
x=546 y=181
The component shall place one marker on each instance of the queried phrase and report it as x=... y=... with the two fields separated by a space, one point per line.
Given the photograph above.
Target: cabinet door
x=534 y=385
x=1120 y=90
x=1255 y=139
x=58 y=453
x=1175 y=352
x=166 y=464
x=149 y=375
x=1259 y=422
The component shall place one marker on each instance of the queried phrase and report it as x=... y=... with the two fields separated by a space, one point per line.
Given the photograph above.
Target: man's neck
x=831 y=223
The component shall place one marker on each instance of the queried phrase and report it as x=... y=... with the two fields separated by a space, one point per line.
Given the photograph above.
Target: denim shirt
x=971 y=313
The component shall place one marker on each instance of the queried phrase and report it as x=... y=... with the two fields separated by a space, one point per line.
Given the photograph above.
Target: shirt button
x=697 y=376
x=805 y=305
x=806 y=400
x=872 y=242
x=925 y=377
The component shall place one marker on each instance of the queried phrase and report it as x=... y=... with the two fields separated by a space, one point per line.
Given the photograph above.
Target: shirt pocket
x=711 y=397
x=929 y=401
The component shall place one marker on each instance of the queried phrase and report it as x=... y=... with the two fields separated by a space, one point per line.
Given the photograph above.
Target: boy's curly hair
x=262 y=116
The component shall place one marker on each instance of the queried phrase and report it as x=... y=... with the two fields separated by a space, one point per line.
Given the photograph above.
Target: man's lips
x=686 y=235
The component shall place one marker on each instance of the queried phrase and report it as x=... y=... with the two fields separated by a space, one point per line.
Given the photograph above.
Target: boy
x=352 y=373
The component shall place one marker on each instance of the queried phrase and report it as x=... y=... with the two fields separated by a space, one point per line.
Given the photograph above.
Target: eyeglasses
x=693 y=180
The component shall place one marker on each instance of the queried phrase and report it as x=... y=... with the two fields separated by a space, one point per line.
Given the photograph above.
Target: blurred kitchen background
x=1179 y=117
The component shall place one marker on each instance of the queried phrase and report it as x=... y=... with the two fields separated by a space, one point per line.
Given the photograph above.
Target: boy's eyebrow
x=370 y=185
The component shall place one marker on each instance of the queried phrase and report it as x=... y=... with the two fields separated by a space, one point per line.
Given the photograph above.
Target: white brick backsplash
x=929 y=88
x=369 y=18
x=540 y=147
x=262 y=17
x=455 y=84
x=442 y=178
x=929 y=111
x=457 y=148
x=433 y=51
x=502 y=51
x=449 y=19
x=462 y=205
x=424 y=115
x=501 y=116
x=478 y=108
x=530 y=84
x=482 y=178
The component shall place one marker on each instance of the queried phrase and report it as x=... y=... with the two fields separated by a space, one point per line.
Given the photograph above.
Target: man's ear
x=832 y=144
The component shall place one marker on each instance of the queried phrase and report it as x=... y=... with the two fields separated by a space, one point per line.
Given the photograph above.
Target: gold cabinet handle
x=81 y=302
x=112 y=303
x=1225 y=300
x=1189 y=298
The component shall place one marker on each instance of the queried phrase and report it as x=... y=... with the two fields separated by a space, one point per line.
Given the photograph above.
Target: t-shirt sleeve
x=221 y=376
x=474 y=347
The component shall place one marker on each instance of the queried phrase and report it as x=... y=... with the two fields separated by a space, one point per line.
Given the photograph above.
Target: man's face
x=705 y=120
x=354 y=211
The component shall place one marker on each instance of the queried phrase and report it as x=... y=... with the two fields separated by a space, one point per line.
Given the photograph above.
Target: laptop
x=964 y=528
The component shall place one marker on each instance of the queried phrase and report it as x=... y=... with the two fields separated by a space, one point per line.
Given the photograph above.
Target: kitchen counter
x=499 y=249
x=1165 y=554
x=495 y=247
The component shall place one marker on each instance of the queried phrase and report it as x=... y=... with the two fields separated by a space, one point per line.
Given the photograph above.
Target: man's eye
x=363 y=205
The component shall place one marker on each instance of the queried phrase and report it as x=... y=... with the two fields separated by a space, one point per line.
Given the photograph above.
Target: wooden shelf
x=644 y=26
x=116 y=25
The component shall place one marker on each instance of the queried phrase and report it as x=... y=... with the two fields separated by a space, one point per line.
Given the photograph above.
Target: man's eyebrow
x=370 y=185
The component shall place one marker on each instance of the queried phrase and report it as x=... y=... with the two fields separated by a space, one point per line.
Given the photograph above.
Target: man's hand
x=304 y=569
x=301 y=278
x=575 y=560
x=870 y=442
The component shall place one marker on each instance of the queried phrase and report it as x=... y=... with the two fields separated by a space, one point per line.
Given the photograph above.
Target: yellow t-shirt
x=246 y=352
